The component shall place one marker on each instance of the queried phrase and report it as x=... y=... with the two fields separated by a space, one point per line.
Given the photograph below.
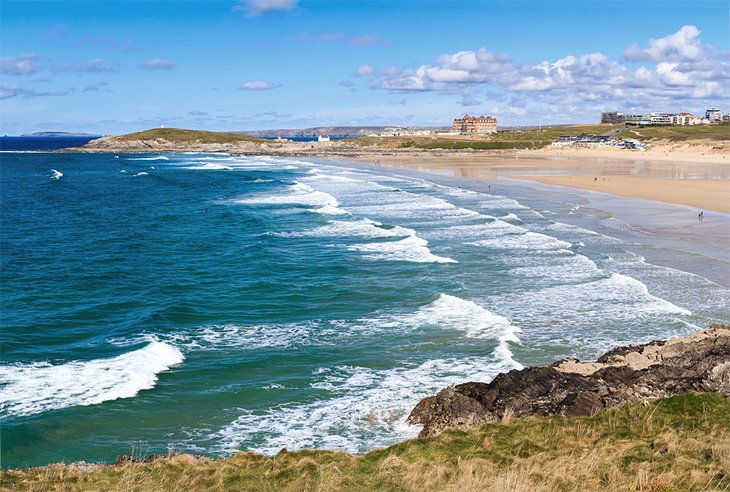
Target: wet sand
x=702 y=182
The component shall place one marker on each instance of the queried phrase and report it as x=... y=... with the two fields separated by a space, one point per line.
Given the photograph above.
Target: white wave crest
x=33 y=388
x=209 y=166
x=532 y=241
x=142 y=173
x=411 y=248
x=157 y=158
x=297 y=194
x=56 y=174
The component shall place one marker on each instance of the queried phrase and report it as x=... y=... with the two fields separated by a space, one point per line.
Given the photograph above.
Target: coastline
x=599 y=421
x=507 y=186
x=665 y=233
x=695 y=179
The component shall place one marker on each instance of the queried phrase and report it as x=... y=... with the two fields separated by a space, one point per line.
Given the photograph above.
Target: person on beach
x=701 y=215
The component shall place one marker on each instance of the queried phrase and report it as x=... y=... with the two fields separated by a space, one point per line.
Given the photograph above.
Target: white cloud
x=257 y=85
x=157 y=64
x=25 y=64
x=256 y=8
x=683 y=45
x=678 y=69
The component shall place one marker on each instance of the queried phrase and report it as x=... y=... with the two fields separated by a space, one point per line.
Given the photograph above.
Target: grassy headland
x=675 y=444
x=188 y=136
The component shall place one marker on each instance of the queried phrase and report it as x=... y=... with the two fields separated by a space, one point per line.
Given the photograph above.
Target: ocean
x=211 y=303
x=34 y=143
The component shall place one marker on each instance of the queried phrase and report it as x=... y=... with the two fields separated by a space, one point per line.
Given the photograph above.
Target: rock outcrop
x=696 y=363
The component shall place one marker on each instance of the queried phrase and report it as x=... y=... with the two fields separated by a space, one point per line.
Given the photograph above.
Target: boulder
x=697 y=363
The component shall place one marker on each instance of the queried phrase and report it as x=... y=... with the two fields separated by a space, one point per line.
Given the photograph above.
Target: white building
x=713 y=115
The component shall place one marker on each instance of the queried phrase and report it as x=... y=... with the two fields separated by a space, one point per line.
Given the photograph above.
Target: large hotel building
x=474 y=124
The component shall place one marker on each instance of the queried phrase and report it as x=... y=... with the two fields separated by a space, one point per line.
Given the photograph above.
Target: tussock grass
x=189 y=136
x=676 y=444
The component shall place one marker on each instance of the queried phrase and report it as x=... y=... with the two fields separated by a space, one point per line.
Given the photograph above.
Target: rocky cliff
x=696 y=363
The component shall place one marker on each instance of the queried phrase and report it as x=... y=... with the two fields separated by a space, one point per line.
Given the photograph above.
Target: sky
x=113 y=67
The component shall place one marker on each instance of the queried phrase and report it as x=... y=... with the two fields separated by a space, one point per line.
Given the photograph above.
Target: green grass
x=189 y=136
x=679 y=133
x=503 y=140
x=676 y=444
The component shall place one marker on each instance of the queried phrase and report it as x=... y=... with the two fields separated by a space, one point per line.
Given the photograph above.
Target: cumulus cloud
x=256 y=8
x=157 y=64
x=676 y=68
x=257 y=85
x=683 y=45
x=25 y=64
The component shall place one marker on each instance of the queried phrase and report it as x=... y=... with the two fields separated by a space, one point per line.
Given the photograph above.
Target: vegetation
x=189 y=136
x=679 y=133
x=676 y=444
x=510 y=139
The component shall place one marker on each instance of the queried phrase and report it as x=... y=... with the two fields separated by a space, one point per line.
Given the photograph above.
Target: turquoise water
x=209 y=303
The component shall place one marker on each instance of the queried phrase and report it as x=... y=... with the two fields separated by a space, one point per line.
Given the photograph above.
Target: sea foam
x=40 y=387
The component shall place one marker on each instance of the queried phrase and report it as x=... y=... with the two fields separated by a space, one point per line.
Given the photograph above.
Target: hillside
x=679 y=133
x=188 y=136
x=676 y=444
x=534 y=138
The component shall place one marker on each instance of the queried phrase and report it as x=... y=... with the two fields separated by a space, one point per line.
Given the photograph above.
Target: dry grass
x=677 y=444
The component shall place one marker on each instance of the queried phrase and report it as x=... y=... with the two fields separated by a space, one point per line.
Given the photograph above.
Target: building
x=635 y=119
x=584 y=139
x=713 y=115
x=660 y=118
x=613 y=117
x=474 y=125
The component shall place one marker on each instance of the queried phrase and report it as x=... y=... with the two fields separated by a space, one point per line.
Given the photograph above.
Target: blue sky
x=114 y=67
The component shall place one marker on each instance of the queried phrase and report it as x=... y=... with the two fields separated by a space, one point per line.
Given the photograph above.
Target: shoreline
x=699 y=182
x=664 y=233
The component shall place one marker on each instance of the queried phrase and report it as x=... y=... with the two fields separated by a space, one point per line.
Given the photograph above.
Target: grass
x=512 y=139
x=189 y=136
x=679 y=133
x=676 y=444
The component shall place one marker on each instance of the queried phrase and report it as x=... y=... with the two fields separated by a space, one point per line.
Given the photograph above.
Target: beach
x=697 y=176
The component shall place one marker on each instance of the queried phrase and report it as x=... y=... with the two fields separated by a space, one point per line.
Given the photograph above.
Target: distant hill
x=60 y=134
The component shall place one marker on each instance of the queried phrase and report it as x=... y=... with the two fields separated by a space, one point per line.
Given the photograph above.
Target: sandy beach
x=696 y=176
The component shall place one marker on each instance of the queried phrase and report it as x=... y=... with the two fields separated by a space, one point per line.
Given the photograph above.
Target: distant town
x=712 y=117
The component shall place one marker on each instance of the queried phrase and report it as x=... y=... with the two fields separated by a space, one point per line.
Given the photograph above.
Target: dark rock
x=696 y=363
